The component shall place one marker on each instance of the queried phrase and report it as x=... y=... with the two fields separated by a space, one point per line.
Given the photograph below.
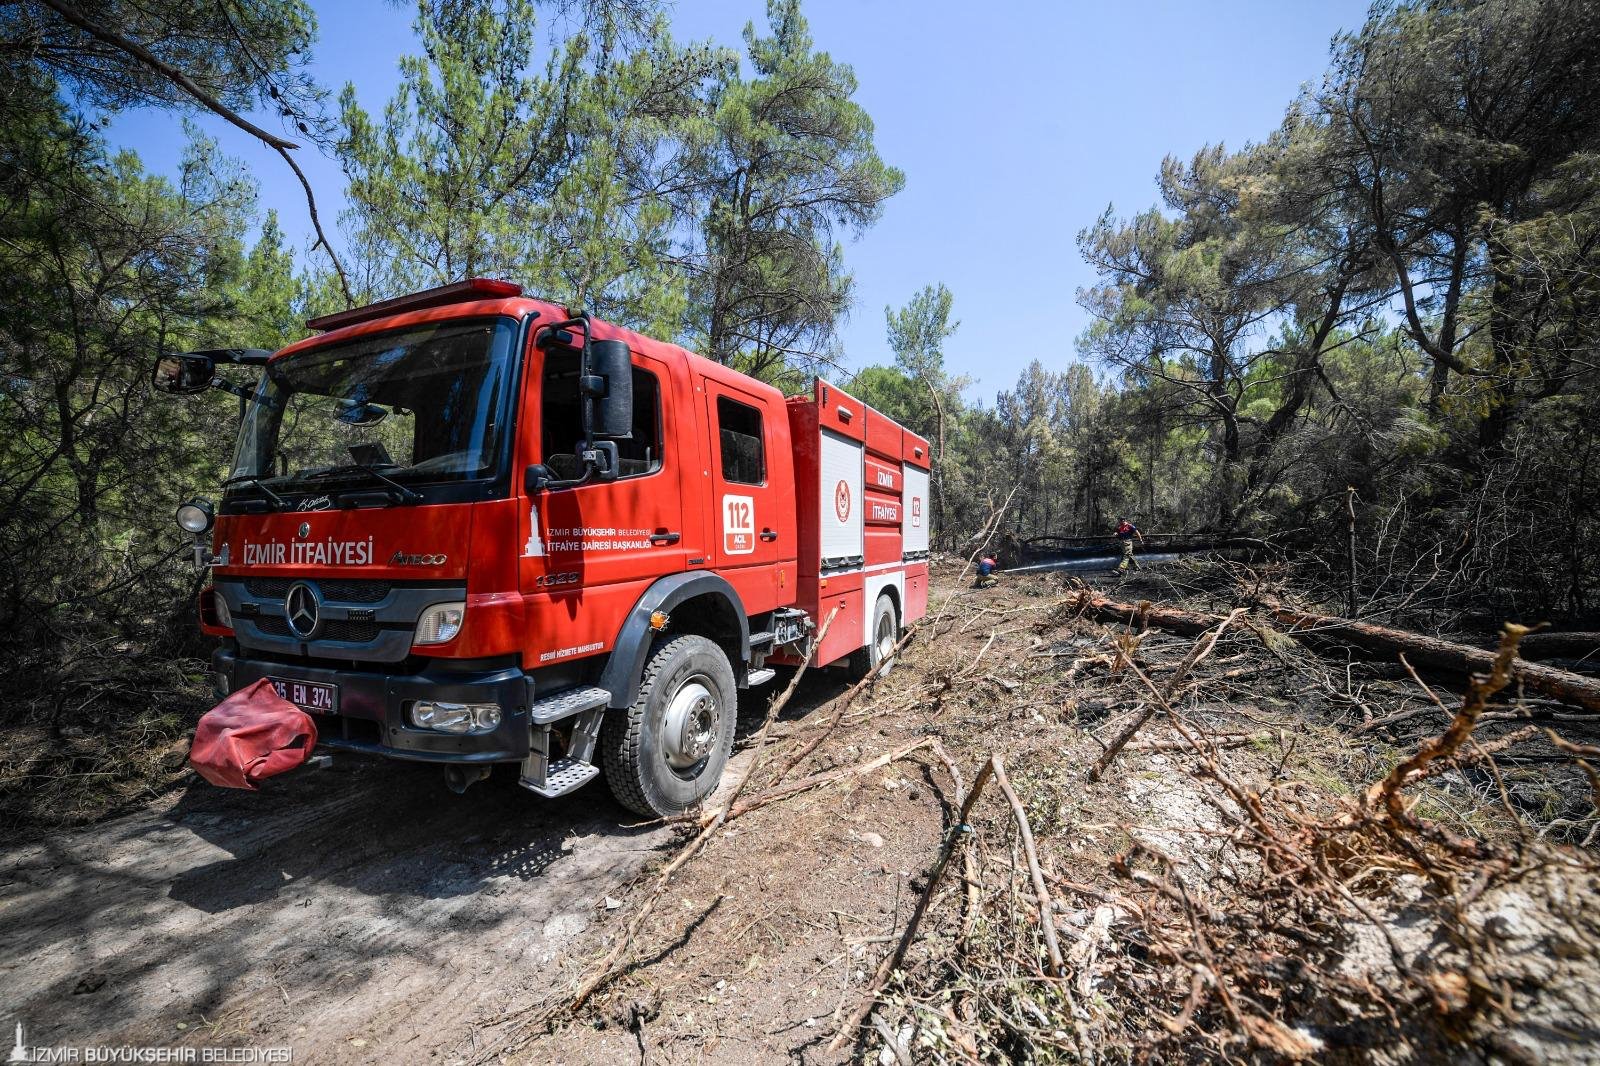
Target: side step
x=556 y=777
x=564 y=776
x=759 y=677
x=567 y=703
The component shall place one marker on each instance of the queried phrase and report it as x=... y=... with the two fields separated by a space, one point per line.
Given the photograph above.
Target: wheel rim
x=689 y=728
x=885 y=639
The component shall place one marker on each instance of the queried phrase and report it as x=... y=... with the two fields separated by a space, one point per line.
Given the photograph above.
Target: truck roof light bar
x=455 y=292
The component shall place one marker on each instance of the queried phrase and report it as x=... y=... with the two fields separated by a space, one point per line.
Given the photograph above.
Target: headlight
x=195 y=516
x=440 y=623
x=455 y=717
x=224 y=619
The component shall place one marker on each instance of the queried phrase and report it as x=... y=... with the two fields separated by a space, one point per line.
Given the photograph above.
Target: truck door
x=747 y=523
x=609 y=534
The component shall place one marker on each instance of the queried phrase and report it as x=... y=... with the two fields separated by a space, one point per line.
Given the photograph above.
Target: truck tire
x=667 y=752
x=878 y=656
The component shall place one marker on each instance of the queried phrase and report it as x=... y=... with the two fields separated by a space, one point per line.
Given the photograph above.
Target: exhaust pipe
x=460 y=778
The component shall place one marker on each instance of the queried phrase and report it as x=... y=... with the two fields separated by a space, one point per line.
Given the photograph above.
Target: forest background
x=1386 y=307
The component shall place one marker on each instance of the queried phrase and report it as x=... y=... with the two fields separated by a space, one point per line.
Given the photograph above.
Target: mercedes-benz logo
x=303 y=607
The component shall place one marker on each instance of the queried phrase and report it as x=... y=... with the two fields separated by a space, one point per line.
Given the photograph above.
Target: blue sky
x=1016 y=124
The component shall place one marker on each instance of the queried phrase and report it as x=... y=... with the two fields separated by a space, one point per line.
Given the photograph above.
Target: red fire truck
x=469 y=527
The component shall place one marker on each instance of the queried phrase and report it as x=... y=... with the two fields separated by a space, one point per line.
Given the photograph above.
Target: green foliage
x=1394 y=293
x=650 y=182
x=244 y=53
x=106 y=265
x=789 y=165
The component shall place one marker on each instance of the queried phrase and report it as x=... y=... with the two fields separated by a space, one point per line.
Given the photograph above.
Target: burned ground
x=1230 y=884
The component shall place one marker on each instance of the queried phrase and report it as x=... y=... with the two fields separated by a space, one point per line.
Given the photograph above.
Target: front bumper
x=371 y=711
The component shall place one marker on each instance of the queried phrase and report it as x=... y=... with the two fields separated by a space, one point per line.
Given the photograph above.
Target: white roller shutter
x=841 y=501
x=918 y=513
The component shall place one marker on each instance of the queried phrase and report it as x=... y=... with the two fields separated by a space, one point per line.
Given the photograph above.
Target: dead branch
x=616 y=960
x=776 y=706
x=1190 y=661
x=1442 y=656
x=1041 y=893
x=956 y=835
x=1387 y=791
x=1232 y=740
x=842 y=702
x=805 y=784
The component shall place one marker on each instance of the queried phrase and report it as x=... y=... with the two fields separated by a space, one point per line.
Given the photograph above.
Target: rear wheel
x=668 y=751
x=878 y=656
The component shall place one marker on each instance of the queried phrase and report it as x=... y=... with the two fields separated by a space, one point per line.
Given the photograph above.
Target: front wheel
x=668 y=751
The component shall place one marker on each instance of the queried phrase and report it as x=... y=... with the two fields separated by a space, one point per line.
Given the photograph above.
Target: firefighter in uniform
x=1126 y=531
x=986 y=568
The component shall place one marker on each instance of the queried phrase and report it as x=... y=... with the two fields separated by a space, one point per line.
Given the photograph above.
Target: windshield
x=423 y=405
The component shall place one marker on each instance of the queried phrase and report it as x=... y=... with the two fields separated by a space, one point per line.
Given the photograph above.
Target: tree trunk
x=1561 y=646
x=1427 y=654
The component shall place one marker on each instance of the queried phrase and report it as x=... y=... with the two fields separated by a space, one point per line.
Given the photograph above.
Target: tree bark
x=1561 y=646
x=1427 y=654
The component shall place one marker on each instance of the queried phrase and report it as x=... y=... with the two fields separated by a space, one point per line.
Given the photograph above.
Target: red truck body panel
x=851 y=542
x=815 y=517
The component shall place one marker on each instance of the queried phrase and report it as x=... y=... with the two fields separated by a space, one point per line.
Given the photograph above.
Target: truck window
x=743 y=460
x=561 y=420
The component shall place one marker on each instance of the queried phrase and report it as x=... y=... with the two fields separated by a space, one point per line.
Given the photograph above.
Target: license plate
x=308 y=695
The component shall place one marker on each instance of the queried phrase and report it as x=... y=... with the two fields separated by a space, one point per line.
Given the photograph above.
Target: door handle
x=769 y=534
x=661 y=536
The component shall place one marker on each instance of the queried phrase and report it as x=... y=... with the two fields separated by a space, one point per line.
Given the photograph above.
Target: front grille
x=342 y=629
x=352 y=632
x=346 y=591
x=354 y=591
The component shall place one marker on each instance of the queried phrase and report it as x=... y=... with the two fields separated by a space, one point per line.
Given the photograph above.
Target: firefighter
x=1126 y=531
x=986 y=568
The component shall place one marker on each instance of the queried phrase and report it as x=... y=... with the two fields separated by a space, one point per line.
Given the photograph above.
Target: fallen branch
x=958 y=832
x=1235 y=740
x=1164 y=696
x=1560 y=646
x=1440 y=656
x=1041 y=893
x=776 y=706
x=1387 y=792
x=805 y=784
x=843 y=703
x=615 y=961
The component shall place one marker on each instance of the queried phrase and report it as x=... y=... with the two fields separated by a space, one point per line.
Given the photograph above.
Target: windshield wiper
x=259 y=481
x=407 y=495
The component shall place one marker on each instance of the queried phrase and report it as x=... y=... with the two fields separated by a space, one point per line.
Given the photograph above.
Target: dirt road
x=364 y=914
x=358 y=913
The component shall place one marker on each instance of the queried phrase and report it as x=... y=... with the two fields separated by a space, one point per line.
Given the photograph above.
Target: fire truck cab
x=470 y=527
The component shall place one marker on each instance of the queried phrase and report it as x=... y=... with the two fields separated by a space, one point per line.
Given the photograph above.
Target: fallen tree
x=1561 y=646
x=1320 y=631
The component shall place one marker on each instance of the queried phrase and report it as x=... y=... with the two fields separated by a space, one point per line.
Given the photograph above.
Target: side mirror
x=537 y=478
x=611 y=361
x=183 y=375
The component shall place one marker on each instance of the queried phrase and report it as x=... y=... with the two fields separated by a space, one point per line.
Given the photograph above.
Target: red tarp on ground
x=252 y=735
